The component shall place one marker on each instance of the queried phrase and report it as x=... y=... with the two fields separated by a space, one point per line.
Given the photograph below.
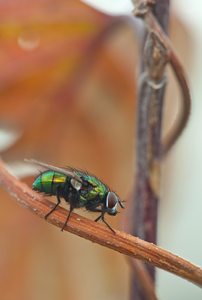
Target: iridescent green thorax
x=96 y=188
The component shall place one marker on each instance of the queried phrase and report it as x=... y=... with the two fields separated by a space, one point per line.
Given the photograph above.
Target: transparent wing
x=66 y=171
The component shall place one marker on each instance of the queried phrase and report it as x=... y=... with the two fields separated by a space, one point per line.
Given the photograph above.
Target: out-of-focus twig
x=157 y=53
x=145 y=282
x=143 y=10
x=150 y=106
x=121 y=242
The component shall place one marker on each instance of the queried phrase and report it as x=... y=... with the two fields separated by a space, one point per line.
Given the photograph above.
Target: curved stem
x=181 y=121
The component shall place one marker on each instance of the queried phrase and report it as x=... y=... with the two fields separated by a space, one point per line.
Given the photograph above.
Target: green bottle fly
x=77 y=188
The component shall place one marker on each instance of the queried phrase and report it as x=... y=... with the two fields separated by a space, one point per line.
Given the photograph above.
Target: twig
x=148 y=136
x=142 y=10
x=158 y=52
x=149 y=126
x=145 y=283
x=121 y=242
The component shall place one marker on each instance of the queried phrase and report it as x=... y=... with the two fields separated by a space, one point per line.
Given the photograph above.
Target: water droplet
x=28 y=40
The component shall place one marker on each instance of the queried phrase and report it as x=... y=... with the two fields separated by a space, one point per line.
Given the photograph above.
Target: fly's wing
x=66 y=171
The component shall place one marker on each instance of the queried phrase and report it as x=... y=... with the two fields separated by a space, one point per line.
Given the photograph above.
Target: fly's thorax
x=93 y=188
x=49 y=182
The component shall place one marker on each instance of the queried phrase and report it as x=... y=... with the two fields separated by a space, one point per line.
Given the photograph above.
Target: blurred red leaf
x=67 y=82
x=60 y=33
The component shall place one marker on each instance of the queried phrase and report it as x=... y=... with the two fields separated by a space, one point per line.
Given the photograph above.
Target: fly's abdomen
x=48 y=182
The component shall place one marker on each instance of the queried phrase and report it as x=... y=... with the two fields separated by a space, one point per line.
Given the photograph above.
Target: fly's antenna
x=121 y=203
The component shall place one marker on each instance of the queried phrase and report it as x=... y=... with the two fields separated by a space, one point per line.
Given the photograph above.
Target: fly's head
x=112 y=202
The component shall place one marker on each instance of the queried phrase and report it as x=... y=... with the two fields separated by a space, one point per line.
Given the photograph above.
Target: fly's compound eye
x=111 y=203
x=76 y=184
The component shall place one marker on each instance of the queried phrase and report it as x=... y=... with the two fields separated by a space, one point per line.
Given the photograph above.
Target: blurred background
x=68 y=97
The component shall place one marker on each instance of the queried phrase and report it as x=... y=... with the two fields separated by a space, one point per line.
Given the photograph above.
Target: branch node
x=142 y=7
x=155 y=56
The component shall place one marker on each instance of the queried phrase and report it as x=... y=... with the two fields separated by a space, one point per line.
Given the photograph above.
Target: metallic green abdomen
x=48 y=182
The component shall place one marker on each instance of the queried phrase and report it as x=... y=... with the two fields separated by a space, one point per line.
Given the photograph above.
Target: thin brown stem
x=148 y=153
x=158 y=53
x=149 y=126
x=142 y=10
x=144 y=279
x=97 y=233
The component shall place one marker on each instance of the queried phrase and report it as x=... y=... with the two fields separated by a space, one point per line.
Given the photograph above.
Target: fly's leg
x=97 y=219
x=95 y=209
x=73 y=199
x=102 y=218
x=68 y=216
x=54 y=208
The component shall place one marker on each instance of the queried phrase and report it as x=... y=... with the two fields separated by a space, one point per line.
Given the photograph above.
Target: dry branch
x=151 y=92
x=143 y=10
x=158 y=52
x=97 y=233
x=145 y=282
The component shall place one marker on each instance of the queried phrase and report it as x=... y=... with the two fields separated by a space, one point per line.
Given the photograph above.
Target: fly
x=77 y=188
